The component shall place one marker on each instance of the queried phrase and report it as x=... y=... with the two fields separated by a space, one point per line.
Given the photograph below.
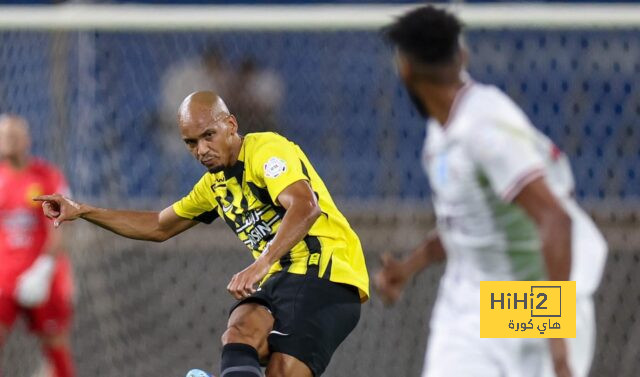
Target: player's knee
x=55 y=340
x=282 y=365
x=276 y=369
x=240 y=334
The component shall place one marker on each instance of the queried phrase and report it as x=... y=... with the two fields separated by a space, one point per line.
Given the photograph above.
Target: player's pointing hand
x=59 y=208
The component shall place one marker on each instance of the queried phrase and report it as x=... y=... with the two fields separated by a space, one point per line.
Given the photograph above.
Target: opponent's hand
x=34 y=284
x=391 y=279
x=242 y=284
x=59 y=208
x=559 y=356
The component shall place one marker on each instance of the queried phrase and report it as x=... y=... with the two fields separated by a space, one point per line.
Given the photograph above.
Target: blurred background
x=102 y=102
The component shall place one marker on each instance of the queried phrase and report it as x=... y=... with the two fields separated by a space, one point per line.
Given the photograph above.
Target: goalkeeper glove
x=34 y=284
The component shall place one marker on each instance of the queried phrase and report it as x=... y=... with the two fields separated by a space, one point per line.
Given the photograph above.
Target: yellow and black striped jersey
x=245 y=196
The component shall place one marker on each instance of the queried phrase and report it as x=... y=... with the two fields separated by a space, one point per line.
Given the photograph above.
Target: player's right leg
x=8 y=309
x=51 y=321
x=57 y=349
x=245 y=340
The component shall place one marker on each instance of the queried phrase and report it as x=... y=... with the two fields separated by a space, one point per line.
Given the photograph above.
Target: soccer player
x=301 y=296
x=35 y=276
x=502 y=194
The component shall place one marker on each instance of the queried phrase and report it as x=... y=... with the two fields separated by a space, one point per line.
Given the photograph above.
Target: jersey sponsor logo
x=19 y=225
x=274 y=167
x=261 y=230
x=18 y=219
x=256 y=228
x=32 y=191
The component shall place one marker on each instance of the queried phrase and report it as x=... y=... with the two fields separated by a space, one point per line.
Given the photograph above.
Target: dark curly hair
x=427 y=34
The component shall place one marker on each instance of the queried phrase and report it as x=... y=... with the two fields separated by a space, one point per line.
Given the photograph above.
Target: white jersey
x=477 y=163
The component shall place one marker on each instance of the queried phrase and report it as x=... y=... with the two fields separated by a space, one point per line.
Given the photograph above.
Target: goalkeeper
x=35 y=272
x=301 y=296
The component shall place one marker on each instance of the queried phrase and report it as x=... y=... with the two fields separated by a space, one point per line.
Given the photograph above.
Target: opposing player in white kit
x=502 y=193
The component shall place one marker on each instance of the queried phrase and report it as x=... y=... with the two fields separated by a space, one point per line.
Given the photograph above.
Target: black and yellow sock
x=239 y=360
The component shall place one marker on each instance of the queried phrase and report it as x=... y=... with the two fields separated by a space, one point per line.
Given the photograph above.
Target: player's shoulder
x=489 y=100
x=41 y=166
x=261 y=138
x=258 y=142
x=208 y=179
x=40 y=163
x=492 y=109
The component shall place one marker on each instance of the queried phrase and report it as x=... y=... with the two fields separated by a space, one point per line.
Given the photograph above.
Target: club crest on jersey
x=32 y=191
x=274 y=167
x=441 y=168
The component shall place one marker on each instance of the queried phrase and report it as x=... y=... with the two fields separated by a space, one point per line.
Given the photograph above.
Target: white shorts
x=456 y=349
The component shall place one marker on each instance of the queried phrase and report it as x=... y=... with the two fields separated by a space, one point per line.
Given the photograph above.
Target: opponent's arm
x=302 y=210
x=139 y=225
x=554 y=228
x=394 y=275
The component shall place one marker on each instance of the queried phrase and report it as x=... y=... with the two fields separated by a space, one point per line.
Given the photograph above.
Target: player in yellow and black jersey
x=245 y=195
x=301 y=297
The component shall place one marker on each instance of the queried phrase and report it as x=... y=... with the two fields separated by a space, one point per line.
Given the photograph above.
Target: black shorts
x=312 y=316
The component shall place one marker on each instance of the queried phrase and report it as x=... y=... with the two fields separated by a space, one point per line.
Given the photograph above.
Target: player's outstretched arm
x=394 y=274
x=139 y=225
x=302 y=210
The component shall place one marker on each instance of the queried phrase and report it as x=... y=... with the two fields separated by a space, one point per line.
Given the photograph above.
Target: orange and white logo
x=32 y=191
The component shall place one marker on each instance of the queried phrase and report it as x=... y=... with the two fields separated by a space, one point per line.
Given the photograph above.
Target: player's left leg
x=313 y=318
x=57 y=350
x=51 y=321
x=245 y=340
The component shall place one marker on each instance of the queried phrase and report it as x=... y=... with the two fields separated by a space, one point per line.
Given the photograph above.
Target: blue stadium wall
x=576 y=86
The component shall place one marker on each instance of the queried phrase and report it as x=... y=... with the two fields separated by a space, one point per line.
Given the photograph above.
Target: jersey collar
x=237 y=169
x=457 y=100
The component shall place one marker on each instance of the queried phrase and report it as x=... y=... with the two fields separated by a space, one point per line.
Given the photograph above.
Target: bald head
x=202 y=107
x=209 y=130
x=14 y=138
